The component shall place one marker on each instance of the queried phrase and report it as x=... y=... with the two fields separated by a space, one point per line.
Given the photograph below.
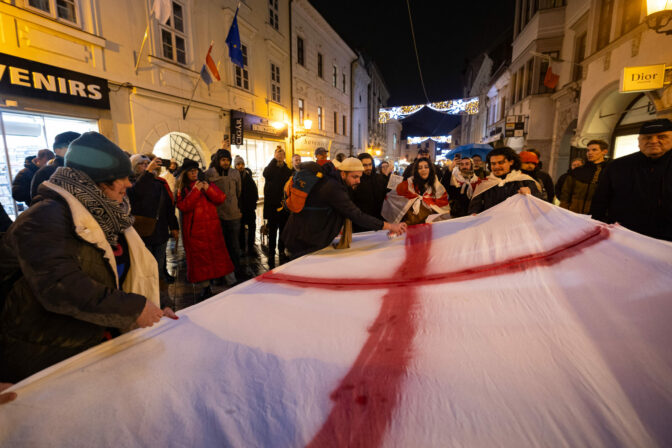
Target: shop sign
x=22 y=77
x=639 y=79
x=515 y=126
x=237 y=127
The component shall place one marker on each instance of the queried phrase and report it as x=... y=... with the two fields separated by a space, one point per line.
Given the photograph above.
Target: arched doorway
x=565 y=150
x=624 y=139
x=179 y=146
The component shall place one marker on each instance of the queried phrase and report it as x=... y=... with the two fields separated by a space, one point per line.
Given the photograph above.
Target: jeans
x=231 y=230
x=251 y=222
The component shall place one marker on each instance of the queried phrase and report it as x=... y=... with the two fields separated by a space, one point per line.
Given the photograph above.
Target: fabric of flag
x=162 y=9
x=233 y=41
x=552 y=77
x=209 y=69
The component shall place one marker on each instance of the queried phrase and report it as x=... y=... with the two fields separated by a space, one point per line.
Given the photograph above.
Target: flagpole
x=185 y=110
x=142 y=47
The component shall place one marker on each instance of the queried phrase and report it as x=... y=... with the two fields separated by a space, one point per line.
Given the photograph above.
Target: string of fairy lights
x=437 y=139
x=452 y=107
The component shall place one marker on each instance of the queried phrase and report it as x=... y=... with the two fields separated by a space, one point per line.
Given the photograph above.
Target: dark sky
x=447 y=31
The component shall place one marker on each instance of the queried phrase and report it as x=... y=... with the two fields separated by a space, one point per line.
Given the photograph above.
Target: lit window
x=58 y=9
x=301 y=111
x=273 y=13
x=242 y=74
x=275 y=83
x=173 y=36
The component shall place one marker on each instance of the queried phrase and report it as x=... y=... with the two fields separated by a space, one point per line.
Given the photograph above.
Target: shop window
x=57 y=9
x=242 y=74
x=632 y=12
x=173 y=36
x=319 y=117
x=273 y=14
x=275 y=83
x=604 y=26
x=335 y=122
x=25 y=134
x=319 y=65
x=299 y=51
x=301 y=111
x=334 y=76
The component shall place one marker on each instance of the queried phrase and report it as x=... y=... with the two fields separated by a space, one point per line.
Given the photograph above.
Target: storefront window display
x=23 y=134
x=257 y=154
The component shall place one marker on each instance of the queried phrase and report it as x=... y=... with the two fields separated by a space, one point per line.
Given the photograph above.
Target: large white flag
x=162 y=10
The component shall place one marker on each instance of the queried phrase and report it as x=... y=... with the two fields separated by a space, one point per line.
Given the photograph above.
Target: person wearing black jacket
x=543 y=177
x=636 y=190
x=327 y=206
x=5 y=220
x=276 y=174
x=61 y=143
x=21 y=183
x=151 y=199
x=371 y=191
x=576 y=163
x=579 y=187
x=249 y=195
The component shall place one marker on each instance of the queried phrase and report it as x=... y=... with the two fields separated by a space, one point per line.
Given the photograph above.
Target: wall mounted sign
x=22 y=77
x=237 y=127
x=640 y=79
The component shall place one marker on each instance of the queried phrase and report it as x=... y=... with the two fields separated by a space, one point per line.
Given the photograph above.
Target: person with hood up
x=504 y=181
x=72 y=266
x=370 y=193
x=418 y=197
x=204 y=244
x=60 y=146
x=227 y=179
x=249 y=196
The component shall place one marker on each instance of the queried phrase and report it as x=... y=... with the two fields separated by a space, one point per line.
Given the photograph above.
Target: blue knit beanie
x=98 y=157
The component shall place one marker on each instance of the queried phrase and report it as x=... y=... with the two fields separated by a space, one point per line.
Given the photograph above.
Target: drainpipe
x=291 y=78
x=352 y=103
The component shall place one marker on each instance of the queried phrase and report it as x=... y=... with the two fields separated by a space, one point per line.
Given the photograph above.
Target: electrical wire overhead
x=415 y=46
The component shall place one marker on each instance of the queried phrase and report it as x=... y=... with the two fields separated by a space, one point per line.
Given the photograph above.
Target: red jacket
x=204 y=245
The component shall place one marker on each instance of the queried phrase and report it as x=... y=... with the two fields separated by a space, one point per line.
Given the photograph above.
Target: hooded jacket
x=61 y=298
x=228 y=181
x=22 y=181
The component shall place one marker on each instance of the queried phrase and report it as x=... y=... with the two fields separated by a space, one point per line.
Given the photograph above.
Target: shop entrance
x=257 y=154
x=23 y=134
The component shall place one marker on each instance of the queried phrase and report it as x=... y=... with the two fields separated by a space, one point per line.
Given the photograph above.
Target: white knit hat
x=351 y=164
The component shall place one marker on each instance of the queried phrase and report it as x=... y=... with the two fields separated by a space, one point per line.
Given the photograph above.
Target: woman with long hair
x=204 y=245
x=418 y=197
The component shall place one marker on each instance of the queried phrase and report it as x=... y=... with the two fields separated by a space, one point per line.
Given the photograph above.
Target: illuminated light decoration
x=453 y=107
x=437 y=139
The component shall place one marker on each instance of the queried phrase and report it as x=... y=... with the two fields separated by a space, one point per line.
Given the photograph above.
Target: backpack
x=299 y=186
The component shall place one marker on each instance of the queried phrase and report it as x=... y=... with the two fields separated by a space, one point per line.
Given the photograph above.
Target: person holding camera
x=202 y=237
x=153 y=207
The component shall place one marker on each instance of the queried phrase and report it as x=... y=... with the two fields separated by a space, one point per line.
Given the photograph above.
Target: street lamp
x=658 y=15
x=307 y=124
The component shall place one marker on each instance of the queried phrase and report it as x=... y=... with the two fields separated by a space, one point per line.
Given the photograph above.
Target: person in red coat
x=204 y=245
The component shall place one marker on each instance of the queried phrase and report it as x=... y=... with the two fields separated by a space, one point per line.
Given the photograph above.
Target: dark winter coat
x=5 y=222
x=316 y=226
x=547 y=182
x=495 y=195
x=636 y=192
x=147 y=194
x=369 y=196
x=21 y=184
x=578 y=188
x=249 y=194
x=204 y=245
x=276 y=177
x=45 y=173
x=60 y=291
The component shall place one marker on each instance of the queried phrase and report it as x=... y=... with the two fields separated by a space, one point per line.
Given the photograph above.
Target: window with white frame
x=275 y=83
x=242 y=74
x=173 y=35
x=334 y=76
x=273 y=14
x=58 y=9
x=302 y=109
x=319 y=117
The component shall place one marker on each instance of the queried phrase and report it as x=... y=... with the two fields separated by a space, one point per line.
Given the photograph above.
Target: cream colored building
x=97 y=42
x=322 y=86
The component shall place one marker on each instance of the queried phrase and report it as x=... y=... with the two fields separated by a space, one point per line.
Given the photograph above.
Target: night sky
x=448 y=32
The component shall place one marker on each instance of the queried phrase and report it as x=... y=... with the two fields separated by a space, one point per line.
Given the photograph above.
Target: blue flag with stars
x=233 y=41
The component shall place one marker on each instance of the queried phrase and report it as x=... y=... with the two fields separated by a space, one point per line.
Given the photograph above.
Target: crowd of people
x=87 y=260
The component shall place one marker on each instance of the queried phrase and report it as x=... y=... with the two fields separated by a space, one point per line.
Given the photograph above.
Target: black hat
x=98 y=157
x=188 y=164
x=656 y=126
x=320 y=150
x=223 y=154
x=65 y=138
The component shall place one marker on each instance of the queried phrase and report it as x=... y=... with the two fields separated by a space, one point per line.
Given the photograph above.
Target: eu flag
x=233 y=41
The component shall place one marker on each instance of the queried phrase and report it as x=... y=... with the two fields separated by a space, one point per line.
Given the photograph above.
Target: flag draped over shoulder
x=233 y=41
x=404 y=198
x=209 y=69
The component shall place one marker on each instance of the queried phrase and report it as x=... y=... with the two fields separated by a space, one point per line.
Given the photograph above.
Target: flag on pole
x=209 y=69
x=552 y=75
x=233 y=41
x=162 y=9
